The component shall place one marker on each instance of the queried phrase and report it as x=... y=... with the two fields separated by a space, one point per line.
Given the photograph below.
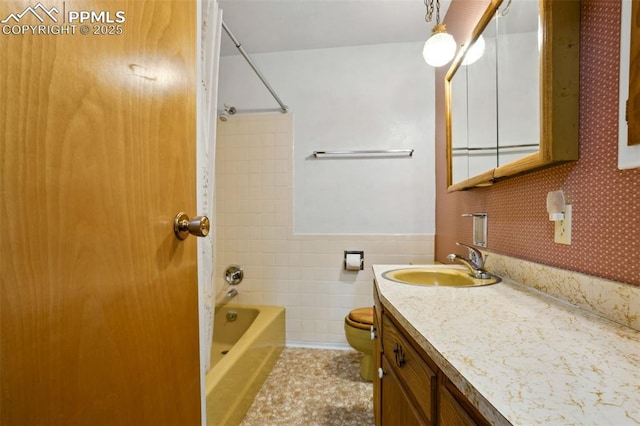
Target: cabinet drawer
x=411 y=369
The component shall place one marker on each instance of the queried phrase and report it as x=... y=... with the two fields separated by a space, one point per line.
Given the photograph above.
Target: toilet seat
x=361 y=318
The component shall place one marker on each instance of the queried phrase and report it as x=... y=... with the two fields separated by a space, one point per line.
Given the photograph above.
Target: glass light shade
x=475 y=52
x=440 y=48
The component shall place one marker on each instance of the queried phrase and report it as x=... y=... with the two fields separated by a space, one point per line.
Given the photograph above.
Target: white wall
x=253 y=228
x=366 y=97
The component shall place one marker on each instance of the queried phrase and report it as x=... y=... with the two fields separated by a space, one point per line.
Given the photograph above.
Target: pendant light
x=474 y=52
x=440 y=47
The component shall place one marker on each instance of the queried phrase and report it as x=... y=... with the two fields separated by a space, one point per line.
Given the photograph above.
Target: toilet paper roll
x=352 y=262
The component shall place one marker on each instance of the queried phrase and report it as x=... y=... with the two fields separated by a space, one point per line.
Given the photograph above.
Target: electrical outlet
x=563 y=227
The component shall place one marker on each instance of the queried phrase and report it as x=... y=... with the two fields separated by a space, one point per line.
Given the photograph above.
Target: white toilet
x=357 y=328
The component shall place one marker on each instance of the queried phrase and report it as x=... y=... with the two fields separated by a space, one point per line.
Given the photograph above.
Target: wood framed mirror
x=515 y=109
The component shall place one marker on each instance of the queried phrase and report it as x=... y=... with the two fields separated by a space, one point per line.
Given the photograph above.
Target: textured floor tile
x=313 y=387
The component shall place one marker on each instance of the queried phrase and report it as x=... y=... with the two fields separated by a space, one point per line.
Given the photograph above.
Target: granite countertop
x=521 y=356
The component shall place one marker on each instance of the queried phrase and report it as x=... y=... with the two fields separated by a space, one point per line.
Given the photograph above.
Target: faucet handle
x=475 y=255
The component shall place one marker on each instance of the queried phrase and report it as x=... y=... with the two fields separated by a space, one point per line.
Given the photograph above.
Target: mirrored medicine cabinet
x=514 y=109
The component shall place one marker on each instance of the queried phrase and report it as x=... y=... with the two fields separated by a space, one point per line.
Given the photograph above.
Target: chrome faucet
x=475 y=262
x=232 y=293
x=234 y=274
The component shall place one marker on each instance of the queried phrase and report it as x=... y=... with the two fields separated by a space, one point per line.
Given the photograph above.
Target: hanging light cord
x=440 y=46
x=429 y=15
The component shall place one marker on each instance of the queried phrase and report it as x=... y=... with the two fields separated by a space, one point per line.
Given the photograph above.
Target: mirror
x=515 y=109
x=474 y=94
x=629 y=88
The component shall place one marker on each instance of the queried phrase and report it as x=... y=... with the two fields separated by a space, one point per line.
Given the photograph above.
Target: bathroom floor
x=313 y=387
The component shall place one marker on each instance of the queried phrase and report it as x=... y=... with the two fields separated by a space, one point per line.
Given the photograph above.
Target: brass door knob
x=183 y=226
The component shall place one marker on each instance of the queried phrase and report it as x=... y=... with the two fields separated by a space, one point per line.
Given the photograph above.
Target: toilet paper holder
x=356 y=252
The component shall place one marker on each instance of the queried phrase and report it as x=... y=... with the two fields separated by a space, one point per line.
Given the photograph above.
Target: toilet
x=357 y=328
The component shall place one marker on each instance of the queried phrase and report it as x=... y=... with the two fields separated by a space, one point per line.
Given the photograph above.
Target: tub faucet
x=475 y=262
x=234 y=274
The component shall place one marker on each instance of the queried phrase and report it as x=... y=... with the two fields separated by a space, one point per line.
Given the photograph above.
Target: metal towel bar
x=493 y=148
x=374 y=152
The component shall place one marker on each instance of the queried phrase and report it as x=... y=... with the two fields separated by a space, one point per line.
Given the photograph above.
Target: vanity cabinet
x=454 y=408
x=409 y=388
x=399 y=394
x=412 y=371
x=397 y=407
x=377 y=357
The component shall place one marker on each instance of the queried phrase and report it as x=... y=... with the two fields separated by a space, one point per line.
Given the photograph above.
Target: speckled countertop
x=521 y=356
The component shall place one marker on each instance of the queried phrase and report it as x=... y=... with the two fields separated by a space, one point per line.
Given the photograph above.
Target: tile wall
x=253 y=228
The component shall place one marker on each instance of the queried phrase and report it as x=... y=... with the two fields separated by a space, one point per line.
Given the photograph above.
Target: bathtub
x=243 y=353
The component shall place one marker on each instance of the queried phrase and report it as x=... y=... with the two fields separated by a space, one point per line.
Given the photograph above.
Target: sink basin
x=438 y=277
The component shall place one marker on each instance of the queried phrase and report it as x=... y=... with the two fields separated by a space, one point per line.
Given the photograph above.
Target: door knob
x=183 y=226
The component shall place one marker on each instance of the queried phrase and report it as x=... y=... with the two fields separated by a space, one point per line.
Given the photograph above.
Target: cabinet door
x=451 y=413
x=377 y=360
x=454 y=409
x=417 y=377
x=396 y=408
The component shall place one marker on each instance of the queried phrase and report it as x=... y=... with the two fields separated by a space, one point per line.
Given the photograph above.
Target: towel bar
x=379 y=152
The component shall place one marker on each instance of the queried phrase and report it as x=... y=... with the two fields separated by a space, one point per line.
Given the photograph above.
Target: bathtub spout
x=226 y=297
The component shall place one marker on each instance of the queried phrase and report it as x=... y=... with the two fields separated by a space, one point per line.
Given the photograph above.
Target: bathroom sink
x=438 y=277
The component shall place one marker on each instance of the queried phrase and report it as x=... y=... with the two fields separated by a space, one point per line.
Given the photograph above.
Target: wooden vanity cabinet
x=414 y=373
x=397 y=407
x=377 y=360
x=454 y=408
x=405 y=387
x=408 y=388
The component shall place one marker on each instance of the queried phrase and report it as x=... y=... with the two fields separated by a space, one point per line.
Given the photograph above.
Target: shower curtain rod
x=246 y=56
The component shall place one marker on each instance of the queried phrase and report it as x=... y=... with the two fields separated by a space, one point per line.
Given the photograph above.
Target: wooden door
x=98 y=299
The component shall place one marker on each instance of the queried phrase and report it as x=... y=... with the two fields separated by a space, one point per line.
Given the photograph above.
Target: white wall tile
x=253 y=228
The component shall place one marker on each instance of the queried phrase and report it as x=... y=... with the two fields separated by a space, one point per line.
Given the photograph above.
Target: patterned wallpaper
x=605 y=201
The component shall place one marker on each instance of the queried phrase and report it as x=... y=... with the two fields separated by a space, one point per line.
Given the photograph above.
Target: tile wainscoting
x=303 y=272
